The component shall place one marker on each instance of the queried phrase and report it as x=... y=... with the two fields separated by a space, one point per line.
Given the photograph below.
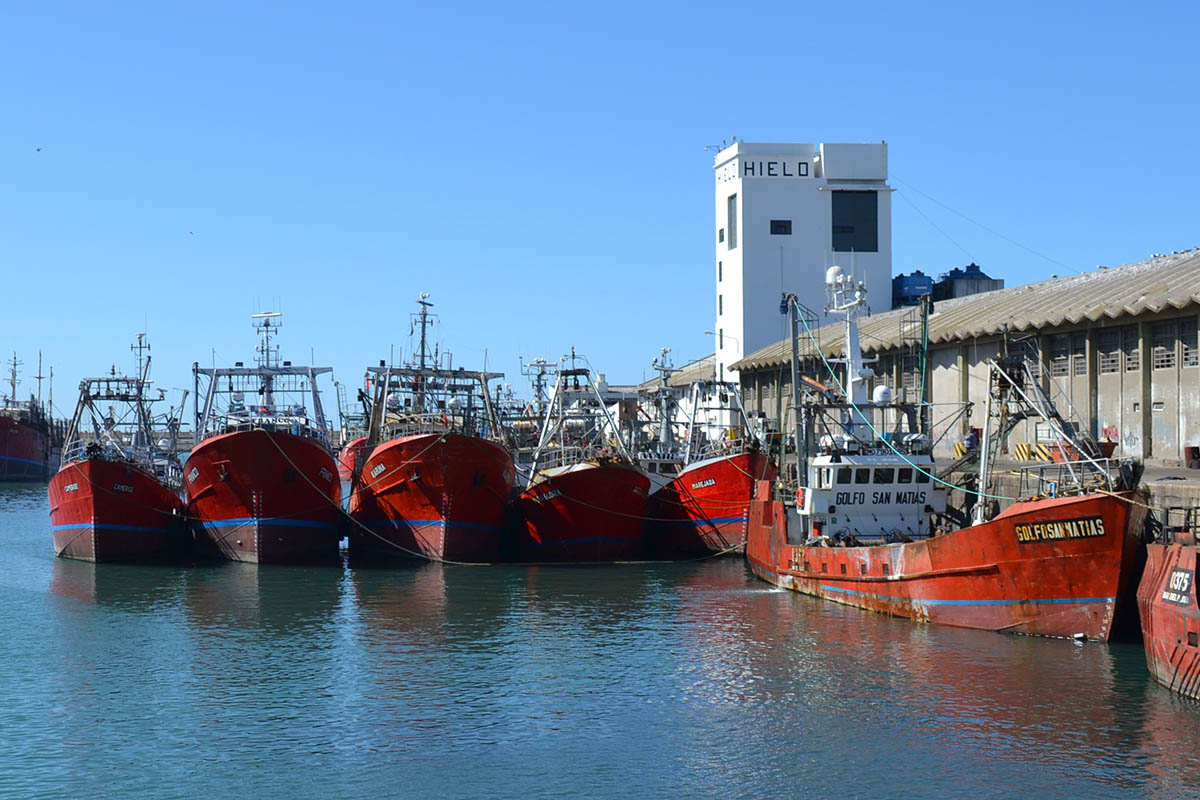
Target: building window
x=720 y=305
x=1189 y=355
x=1079 y=354
x=720 y=270
x=781 y=227
x=1133 y=356
x=1108 y=349
x=720 y=234
x=1162 y=340
x=1060 y=351
x=856 y=222
x=731 y=220
x=720 y=338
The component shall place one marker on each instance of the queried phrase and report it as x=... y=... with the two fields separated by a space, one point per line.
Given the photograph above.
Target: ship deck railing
x=554 y=456
x=1067 y=477
x=403 y=424
x=281 y=423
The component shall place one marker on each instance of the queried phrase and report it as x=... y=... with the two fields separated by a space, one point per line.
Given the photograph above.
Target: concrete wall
x=791 y=182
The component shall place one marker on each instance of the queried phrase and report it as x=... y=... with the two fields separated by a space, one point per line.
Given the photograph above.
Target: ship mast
x=424 y=320
x=536 y=371
x=39 y=377
x=268 y=359
x=14 y=363
x=666 y=436
x=848 y=297
x=141 y=348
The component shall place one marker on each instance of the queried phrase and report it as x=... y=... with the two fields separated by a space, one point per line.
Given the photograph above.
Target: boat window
x=862 y=475
x=652 y=467
x=843 y=475
x=885 y=475
x=922 y=477
x=904 y=475
x=823 y=477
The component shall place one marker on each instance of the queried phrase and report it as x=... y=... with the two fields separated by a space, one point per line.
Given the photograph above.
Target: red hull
x=354 y=449
x=1170 y=618
x=707 y=507
x=436 y=496
x=265 y=497
x=1067 y=580
x=110 y=511
x=593 y=513
x=22 y=451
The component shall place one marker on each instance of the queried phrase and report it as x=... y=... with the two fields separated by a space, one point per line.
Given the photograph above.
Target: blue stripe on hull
x=714 y=521
x=280 y=521
x=100 y=526
x=429 y=523
x=839 y=590
x=38 y=464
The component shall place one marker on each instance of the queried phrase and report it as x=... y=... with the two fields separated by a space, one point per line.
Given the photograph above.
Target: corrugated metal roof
x=1163 y=282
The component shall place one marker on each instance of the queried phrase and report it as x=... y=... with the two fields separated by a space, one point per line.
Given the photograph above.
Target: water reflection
x=131 y=587
x=271 y=600
x=518 y=681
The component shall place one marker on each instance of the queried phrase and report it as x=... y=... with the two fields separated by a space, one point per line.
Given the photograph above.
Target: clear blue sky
x=540 y=169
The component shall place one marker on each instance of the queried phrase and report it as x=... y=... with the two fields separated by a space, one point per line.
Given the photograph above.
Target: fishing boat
x=585 y=496
x=868 y=525
x=261 y=481
x=703 y=480
x=117 y=496
x=25 y=434
x=1167 y=603
x=436 y=477
x=348 y=457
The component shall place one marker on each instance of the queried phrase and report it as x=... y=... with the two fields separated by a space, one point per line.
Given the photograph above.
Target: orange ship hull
x=112 y=511
x=706 y=508
x=1057 y=567
x=1170 y=616
x=265 y=497
x=436 y=496
x=594 y=512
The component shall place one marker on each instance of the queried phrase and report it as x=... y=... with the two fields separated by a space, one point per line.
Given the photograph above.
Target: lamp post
x=720 y=343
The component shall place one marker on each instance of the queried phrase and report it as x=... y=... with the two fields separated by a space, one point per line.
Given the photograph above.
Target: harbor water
x=645 y=680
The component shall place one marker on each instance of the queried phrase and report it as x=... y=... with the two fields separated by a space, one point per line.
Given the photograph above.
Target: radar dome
x=833 y=275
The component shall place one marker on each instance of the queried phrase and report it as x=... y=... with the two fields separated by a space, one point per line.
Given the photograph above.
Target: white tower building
x=785 y=212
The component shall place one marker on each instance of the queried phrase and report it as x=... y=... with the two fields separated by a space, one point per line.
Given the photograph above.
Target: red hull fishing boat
x=437 y=485
x=588 y=511
x=441 y=496
x=1057 y=567
x=117 y=496
x=706 y=508
x=25 y=435
x=1167 y=603
x=868 y=527
x=349 y=455
x=703 y=480
x=261 y=481
x=585 y=499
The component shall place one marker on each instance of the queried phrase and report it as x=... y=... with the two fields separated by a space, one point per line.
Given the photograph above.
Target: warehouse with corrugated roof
x=1116 y=348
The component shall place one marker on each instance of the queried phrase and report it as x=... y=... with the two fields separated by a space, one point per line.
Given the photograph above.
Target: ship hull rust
x=104 y=510
x=263 y=496
x=1069 y=580
x=1170 y=616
